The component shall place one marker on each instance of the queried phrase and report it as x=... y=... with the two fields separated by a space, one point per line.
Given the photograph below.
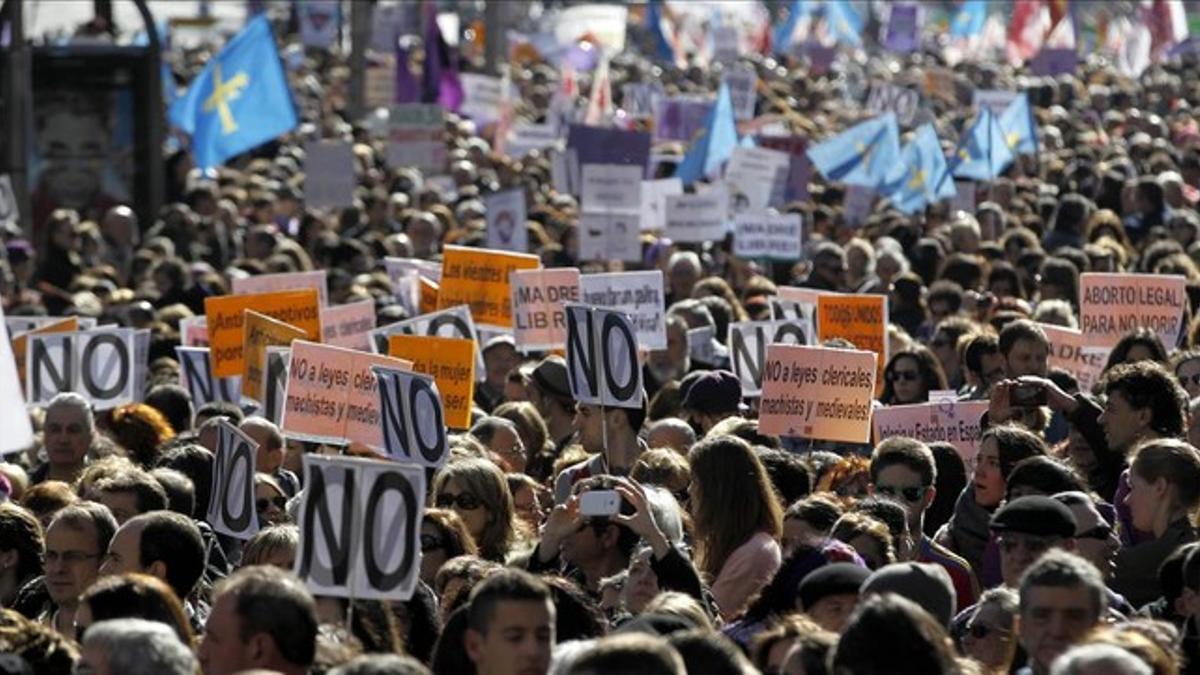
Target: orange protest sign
x=429 y=295
x=1111 y=305
x=20 y=343
x=1067 y=352
x=301 y=309
x=332 y=395
x=480 y=278
x=262 y=331
x=861 y=319
x=818 y=392
x=451 y=363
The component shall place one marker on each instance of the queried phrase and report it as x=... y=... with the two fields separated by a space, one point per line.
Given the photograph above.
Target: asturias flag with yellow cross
x=239 y=101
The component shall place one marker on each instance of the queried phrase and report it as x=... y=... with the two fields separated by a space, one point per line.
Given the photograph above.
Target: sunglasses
x=1101 y=532
x=464 y=501
x=980 y=631
x=1184 y=380
x=1034 y=545
x=910 y=494
x=906 y=375
x=261 y=505
x=431 y=542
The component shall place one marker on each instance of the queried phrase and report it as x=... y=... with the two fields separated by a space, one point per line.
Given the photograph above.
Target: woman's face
x=988 y=480
x=528 y=509
x=1142 y=502
x=906 y=381
x=642 y=585
x=1188 y=373
x=271 y=504
x=468 y=507
x=433 y=552
x=1080 y=453
x=988 y=636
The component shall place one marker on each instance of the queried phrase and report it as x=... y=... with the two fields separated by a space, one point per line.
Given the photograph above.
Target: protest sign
x=1068 y=350
x=724 y=43
x=640 y=99
x=195 y=375
x=427 y=269
x=748 y=342
x=261 y=332
x=1111 y=305
x=275 y=383
x=743 y=84
x=704 y=348
x=638 y=294
x=861 y=319
x=525 y=137
x=764 y=235
x=349 y=325
x=360 y=528
x=328 y=175
x=320 y=22
x=602 y=357
x=697 y=218
x=611 y=188
x=14 y=420
x=654 y=202
x=857 y=204
x=450 y=362
x=604 y=23
x=596 y=145
x=193 y=331
x=1054 y=62
x=799 y=166
x=885 y=98
x=20 y=343
x=995 y=100
x=818 y=393
x=605 y=236
x=681 y=118
x=416 y=134
x=285 y=281
x=225 y=333
x=506 y=220
x=407 y=277
x=100 y=365
x=455 y=322
x=903 y=28
x=414 y=428
x=482 y=95
x=231 y=509
x=8 y=201
x=755 y=177
x=538 y=299
x=953 y=422
x=17 y=325
x=479 y=278
x=332 y=395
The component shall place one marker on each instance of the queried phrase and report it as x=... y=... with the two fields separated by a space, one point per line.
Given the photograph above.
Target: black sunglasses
x=1099 y=532
x=464 y=501
x=910 y=494
x=1185 y=379
x=908 y=375
x=980 y=631
x=431 y=542
x=262 y=504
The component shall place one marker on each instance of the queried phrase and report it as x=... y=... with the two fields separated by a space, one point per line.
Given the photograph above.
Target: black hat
x=717 y=391
x=832 y=579
x=1037 y=515
x=551 y=376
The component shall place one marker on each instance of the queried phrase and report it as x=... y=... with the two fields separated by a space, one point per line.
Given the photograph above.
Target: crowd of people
x=1067 y=545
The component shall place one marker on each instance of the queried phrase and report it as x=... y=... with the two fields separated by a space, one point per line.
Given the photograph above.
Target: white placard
x=748 y=342
x=767 y=235
x=638 y=294
x=609 y=236
x=414 y=422
x=742 y=81
x=100 y=365
x=14 y=420
x=697 y=218
x=654 y=202
x=349 y=325
x=611 y=188
x=886 y=98
x=602 y=357
x=505 y=213
x=8 y=201
x=195 y=375
x=756 y=178
x=328 y=174
x=231 y=505
x=284 y=281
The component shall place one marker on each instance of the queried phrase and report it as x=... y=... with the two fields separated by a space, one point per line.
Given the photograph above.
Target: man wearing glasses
x=903 y=470
x=75 y=542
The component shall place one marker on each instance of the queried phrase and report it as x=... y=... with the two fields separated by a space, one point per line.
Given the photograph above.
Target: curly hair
x=47 y=652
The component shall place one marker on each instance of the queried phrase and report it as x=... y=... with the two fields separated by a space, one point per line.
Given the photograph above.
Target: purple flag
x=439 y=82
x=903 y=29
x=408 y=90
x=1052 y=61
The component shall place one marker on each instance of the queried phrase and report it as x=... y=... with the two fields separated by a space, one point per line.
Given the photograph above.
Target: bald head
x=270 y=442
x=671 y=432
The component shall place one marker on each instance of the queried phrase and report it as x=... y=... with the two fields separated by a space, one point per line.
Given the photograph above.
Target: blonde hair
x=486 y=482
x=682 y=605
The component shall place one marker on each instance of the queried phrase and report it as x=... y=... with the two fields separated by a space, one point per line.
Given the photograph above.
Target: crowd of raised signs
x=493 y=417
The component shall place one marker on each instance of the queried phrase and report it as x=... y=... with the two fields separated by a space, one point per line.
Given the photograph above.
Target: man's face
x=831 y=269
x=1028 y=357
x=221 y=650
x=1018 y=551
x=832 y=611
x=584 y=545
x=499 y=360
x=269 y=458
x=588 y=423
x=517 y=641
x=67 y=435
x=124 y=551
x=992 y=368
x=1095 y=539
x=943 y=345
x=123 y=504
x=1123 y=424
x=904 y=486
x=72 y=561
x=1053 y=619
x=683 y=278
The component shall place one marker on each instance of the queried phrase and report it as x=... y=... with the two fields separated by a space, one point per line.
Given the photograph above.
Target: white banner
x=638 y=294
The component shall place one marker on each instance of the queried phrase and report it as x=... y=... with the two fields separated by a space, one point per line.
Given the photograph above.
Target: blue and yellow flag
x=983 y=153
x=917 y=181
x=844 y=23
x=970 y=18
x=715 y=144
x=239 y=101
x=1019 y=126
x=863 y=155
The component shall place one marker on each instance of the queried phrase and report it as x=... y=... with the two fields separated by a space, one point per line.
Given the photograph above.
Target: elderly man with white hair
x=1099 y=659
x=683 y=271
x=67 y=436
x=134 y=647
